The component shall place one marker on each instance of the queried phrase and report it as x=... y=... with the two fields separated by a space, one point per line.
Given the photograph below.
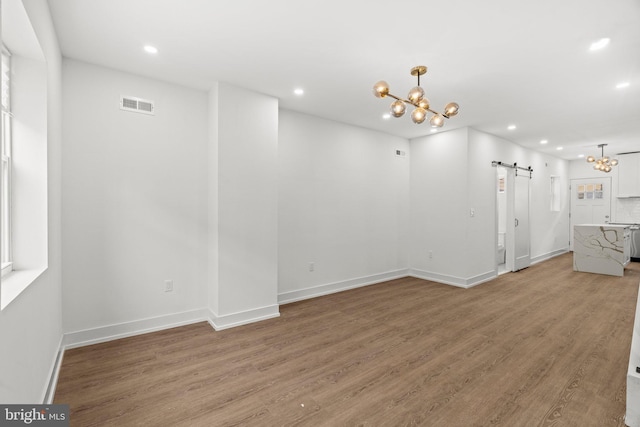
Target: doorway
x=501 y=221
x=512 y=220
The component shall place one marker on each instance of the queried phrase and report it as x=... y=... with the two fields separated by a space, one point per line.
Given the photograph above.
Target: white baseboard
x=226 y=321
x=54 y=372
x=548 y=255
x=330 y=288
x=136 y=327
x=453 y=280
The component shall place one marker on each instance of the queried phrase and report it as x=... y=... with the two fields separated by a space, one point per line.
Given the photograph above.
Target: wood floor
x=542 y=347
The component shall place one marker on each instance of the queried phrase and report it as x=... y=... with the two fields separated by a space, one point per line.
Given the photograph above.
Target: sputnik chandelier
x=417 y=99
x=604 y=163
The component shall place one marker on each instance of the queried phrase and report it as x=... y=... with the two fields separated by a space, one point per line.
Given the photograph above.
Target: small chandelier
x=604 y=163
x=417 y=99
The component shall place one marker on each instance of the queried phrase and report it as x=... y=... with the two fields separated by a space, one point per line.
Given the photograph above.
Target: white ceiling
x=504 y=61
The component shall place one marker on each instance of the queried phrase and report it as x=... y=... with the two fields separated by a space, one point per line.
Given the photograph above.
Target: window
x=23 y=161
x=5 y=179
x=590 y=191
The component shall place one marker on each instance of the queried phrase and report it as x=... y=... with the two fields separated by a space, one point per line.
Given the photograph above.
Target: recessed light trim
x=559 y=148
x=600 y=44
x=298 y=91
x=151 y=49
x=581 y=156
x=386 y=116
x=511 y=127
x=622 y=85
x=544 y=141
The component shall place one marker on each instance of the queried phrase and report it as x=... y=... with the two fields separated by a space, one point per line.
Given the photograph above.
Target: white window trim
x=29 y=199
x=7 y=259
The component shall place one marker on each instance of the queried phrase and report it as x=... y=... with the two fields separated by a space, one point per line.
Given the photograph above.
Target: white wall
x=134 y=200
x=243 y=133
x=31 y=326
x=451 y=174
x=549 y=230
x=439 y=205
x=343 y=206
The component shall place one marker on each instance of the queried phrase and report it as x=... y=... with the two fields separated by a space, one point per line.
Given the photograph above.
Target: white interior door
x=590 y=202
x=522 y=253
x=518 y=232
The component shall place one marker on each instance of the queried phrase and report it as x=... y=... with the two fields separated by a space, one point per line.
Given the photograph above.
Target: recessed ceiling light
x=299 y=91
x=600 y=44
x=386 y=116
x=151 y=49
x=558 y=148
x=511 y=127
x=434 y=130
x=622 y=85
x=580 y=156
x=544 y=141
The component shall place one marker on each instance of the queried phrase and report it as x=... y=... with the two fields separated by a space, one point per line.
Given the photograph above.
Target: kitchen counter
x=601 y=248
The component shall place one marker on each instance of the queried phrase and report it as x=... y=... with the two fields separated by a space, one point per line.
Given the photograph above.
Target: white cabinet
x=629 y=175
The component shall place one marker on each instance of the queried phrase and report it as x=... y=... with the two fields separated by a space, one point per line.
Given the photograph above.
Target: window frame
x=6 y=188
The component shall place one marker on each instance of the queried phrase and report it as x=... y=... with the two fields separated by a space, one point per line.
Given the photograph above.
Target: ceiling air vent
x=138 y=105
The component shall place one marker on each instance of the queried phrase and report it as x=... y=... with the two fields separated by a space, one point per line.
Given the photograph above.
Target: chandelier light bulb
x=437 y=120
x=381 y=89
x=418 y=115
x=591 y=159
x=451 y=109
x=607 y=169
x=415 y=94
x=613 y=162
x=398 y=108
x=424 y=103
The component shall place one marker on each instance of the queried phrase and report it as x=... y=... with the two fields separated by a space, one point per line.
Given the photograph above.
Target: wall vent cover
x=138 y=105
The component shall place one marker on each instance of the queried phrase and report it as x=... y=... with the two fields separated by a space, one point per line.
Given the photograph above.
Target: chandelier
x=604 y=163
x=417 y=99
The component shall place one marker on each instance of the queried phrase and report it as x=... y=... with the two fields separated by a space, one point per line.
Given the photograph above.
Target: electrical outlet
x=312 y=266
x=168 y=285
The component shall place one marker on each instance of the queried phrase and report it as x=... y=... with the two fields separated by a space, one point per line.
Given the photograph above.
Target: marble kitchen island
x=601 y=248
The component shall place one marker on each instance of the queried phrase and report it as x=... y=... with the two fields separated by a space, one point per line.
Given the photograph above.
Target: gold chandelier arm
x=399 y=99
x=416 y=105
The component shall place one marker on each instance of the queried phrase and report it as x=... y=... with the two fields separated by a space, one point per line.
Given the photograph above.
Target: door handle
x=516 y=222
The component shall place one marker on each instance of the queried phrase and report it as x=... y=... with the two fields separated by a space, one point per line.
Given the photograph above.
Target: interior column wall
x=246 y=151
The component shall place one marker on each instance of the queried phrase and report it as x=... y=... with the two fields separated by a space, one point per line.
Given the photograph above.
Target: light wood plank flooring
x=542 y=347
